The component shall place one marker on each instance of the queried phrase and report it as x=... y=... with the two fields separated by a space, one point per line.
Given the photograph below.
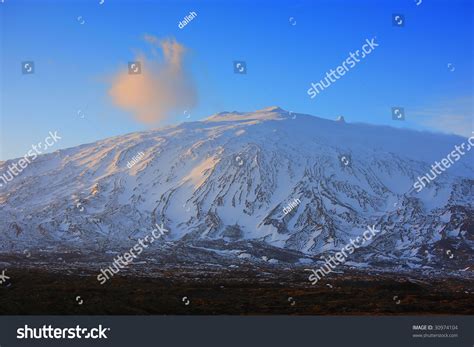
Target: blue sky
x=74 y=62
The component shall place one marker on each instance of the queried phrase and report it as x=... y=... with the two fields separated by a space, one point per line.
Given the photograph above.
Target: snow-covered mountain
x=271 y=177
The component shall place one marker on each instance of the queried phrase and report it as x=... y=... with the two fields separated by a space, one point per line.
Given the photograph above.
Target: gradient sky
x=74 y=62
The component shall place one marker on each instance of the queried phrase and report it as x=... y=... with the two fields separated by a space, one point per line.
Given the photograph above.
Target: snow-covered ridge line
x=231 y=176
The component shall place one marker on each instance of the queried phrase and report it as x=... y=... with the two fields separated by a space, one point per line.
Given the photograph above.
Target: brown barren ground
x=242 y=291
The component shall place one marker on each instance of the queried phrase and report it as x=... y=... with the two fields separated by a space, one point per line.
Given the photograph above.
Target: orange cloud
x=161 y=88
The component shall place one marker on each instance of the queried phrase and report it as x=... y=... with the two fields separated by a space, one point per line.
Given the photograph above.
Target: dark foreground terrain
x=242 y=290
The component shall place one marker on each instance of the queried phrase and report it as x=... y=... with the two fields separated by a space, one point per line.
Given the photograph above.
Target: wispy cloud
x=162 y=87
x=454 y=117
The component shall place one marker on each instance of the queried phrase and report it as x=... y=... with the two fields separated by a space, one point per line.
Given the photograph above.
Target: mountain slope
x=231 y=176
